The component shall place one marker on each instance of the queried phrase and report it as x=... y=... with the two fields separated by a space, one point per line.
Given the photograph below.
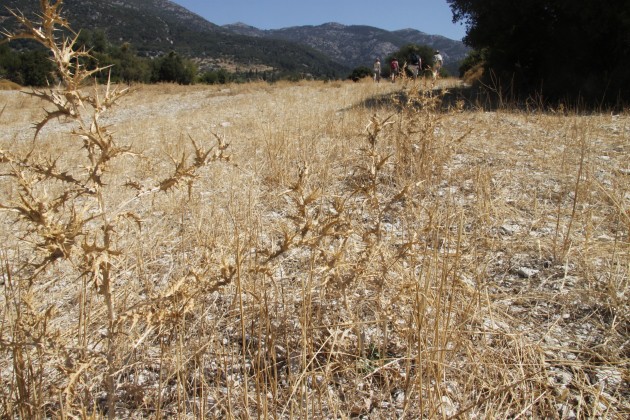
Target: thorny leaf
x=133 y=217
x=200 y=155
x=65 y=108
x=313 y=196
x=133 y=185
x=168 y=183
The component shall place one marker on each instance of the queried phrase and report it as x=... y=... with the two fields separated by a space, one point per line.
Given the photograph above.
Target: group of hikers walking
x=414 y=66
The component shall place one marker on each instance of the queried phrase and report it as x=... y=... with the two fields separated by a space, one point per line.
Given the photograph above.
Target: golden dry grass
x=494 y=286
x=9 y=85
x=324 y=250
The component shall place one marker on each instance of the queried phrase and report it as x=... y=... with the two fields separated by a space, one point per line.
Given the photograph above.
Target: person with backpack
x=394 y=68
x=416 y=65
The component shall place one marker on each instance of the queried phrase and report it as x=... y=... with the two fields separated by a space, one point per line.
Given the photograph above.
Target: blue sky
x=430 y=16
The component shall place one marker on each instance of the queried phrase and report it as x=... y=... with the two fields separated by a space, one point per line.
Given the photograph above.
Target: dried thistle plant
x=69 y=221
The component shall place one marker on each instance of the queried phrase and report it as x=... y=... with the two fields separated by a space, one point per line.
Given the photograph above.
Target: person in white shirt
x=377 y=71
x=437 y=64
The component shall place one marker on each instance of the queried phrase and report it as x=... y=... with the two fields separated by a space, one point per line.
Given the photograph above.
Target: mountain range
x=155 y=27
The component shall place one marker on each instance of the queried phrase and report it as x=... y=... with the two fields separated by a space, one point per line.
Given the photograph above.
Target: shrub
x=360 y=73
x=174 y=68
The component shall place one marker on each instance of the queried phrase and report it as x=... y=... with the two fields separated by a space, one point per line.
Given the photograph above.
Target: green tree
x=9 y=63
x=173 y=68
x=128 y=66
x=214 y=77
x=562 y=49
x=95 y=41
x=99 y=41
x=28 y=68
x=360 y=73
x=36 y=68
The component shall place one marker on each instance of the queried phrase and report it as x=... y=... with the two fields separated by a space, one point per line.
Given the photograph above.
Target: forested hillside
x=154 y=28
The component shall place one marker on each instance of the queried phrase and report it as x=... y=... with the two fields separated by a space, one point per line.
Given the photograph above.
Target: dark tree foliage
x=214 y=77
x=28 y=68
x=174 y=68
x=96 y=41
x=564 y=49
x=360 y=73
x=122 y=61
x=37 y=68
x=127 y=66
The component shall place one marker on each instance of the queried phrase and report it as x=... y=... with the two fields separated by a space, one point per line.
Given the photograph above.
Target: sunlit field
x=309 y=250
x=345 y=250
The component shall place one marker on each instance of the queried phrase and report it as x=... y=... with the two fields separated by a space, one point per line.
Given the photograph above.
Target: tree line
x=27 y=64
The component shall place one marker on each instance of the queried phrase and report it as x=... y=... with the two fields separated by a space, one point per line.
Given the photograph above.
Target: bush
x=360 y=73
x=173 y=68
x=28 y=68
x=214 y=77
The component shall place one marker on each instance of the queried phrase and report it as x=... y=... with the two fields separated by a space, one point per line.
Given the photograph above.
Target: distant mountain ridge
x=155 y=27
x=356 y=45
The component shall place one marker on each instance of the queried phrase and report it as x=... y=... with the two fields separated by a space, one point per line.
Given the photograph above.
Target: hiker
x=377 y=71
x=416 y=65
x=437 y=64
x=395 y=68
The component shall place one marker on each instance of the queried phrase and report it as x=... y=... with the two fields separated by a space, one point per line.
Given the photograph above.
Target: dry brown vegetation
x=323 y=250
x=9 y=85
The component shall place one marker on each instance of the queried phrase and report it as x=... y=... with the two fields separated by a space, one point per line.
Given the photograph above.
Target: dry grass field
x=361 y=252
x=308 y=250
